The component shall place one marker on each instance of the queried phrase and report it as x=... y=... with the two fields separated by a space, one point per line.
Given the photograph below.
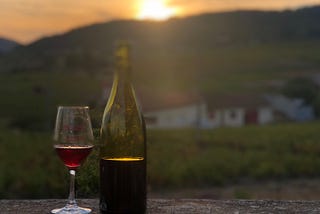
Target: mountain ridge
x=6 y=45
x=90 y=47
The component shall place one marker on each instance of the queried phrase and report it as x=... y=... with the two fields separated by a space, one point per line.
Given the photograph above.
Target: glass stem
x=71 y=199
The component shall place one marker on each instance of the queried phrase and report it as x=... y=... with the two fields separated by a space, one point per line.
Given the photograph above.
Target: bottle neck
x=122 y=76
x=122 y=65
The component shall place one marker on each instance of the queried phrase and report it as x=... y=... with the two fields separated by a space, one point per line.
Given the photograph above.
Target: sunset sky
x=28 y=20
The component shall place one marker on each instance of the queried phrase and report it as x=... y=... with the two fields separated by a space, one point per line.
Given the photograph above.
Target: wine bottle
x=123 y=144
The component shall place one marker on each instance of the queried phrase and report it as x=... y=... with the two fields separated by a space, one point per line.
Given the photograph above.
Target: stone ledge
x=176 y=206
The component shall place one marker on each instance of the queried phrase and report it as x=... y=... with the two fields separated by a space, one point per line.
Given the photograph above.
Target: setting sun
x=156 y=10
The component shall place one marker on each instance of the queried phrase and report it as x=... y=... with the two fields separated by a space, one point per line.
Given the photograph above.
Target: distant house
x=182 y=111
x=237 y=110
x=175 y=111
x=185 y=110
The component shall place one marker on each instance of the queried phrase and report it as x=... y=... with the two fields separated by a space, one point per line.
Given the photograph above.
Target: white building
x=183 y=111
x=238 y=110
x=176 y=111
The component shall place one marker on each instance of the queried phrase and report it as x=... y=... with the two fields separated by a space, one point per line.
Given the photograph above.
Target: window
x=232 y=114
x=212 y=114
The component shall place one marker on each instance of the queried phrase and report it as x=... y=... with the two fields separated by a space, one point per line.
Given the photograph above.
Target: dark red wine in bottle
x=124 y=186
x=123 y=145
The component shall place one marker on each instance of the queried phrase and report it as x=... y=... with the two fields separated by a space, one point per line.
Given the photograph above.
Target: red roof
x=167 y=101
x=236 y=101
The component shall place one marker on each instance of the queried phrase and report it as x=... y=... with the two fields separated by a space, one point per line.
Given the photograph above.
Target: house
x=186 y=111
x=237 y=110
x=190 y=110
x=174 y=111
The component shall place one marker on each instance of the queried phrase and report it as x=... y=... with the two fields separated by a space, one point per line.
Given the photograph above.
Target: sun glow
x=156 y=10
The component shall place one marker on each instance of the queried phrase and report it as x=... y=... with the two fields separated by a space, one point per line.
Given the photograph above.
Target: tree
x=303 y=88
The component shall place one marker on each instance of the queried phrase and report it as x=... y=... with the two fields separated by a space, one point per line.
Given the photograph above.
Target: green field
x=29 y=99
x=177 y=159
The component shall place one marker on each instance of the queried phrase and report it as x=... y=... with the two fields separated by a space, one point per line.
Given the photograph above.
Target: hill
x=7 y=45
x=195 y=34
x=216 y=53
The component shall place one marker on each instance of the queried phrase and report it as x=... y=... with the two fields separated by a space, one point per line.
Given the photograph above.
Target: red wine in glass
x=73 y=141
x=73 y=156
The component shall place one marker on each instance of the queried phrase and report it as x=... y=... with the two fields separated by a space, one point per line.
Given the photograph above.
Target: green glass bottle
x=123 y=144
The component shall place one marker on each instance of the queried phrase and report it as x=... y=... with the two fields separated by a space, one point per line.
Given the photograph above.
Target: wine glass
x=73 y=140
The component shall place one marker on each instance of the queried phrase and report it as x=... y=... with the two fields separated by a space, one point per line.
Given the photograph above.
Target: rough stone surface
x=178 y=206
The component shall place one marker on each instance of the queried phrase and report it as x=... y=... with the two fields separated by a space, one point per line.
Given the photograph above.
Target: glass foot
x=71 y=209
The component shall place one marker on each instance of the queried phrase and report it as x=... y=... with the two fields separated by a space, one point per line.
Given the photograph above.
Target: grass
x=30 y=99
x=177 y=159
x=29 y=168
x=228 y=69
x=229 y=155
